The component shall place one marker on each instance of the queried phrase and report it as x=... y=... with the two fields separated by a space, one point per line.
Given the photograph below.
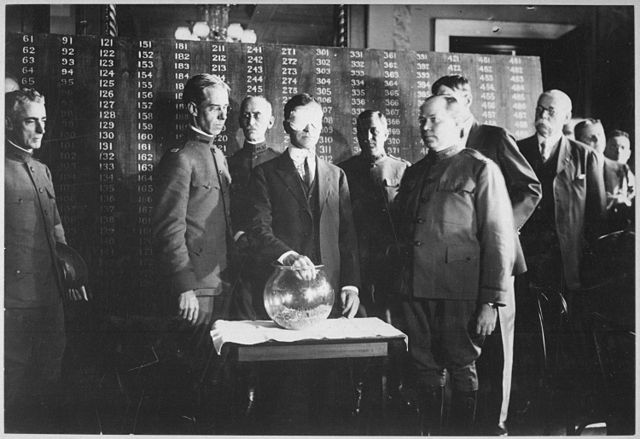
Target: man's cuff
x=350 y=289
x=238 y=235
x=284 y=256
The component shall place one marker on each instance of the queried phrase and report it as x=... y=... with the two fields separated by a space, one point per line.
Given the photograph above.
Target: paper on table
x=250 y=332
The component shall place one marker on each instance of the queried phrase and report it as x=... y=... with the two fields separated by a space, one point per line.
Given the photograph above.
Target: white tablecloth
x=250 y=332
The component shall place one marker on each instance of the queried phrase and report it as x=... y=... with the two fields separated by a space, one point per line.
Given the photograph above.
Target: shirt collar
x=299 y=154
x=550 y=141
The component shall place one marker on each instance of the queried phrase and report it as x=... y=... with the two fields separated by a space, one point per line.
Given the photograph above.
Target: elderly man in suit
x=570 y=214
x=457 y=222
x=573 y=197
x=525 y=193
x=191 y=227
x=255 y=119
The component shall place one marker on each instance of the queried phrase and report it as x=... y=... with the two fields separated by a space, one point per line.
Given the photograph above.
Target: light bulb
x=234 y=31
x=201 y=29
x=249 y=36
x=182 y=33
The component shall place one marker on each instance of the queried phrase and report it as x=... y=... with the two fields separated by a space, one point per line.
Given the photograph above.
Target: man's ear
x=8 y=123
x=272 y=120
x=192 y=108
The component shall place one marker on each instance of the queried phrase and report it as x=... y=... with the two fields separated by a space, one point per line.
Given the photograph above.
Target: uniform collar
x=444 y=154
x=200 y=136
x=255 y=148
x=17 y=153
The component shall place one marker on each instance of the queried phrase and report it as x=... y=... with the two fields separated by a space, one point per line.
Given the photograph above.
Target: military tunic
x=34 y=319
x=373 y=187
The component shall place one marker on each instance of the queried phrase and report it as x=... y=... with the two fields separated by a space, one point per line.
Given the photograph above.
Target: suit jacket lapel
x=564 y=157
x=472 y=138
x=288 y=173
x=325 y=179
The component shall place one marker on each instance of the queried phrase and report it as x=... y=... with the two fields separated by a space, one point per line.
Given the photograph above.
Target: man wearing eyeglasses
x=569 y=213
x=573 y=197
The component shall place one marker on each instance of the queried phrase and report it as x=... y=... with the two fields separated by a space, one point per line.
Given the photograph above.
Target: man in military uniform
x=458 y=230
x=191 y=221
x=525 y=193
x=34 y=320
x=256 y=118
x=374 y=178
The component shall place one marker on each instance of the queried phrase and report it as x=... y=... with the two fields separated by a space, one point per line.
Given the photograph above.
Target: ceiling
x=312 y=24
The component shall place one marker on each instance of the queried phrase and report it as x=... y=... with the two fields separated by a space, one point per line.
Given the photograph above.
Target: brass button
x=18 y=271
x=41 y=190
x=420 y=220
x=417 y=243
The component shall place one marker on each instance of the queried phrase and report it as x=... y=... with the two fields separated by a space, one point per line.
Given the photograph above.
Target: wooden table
x=365 y=345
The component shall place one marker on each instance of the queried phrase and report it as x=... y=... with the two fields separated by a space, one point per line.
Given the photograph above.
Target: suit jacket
x=189 y=217
x=32 y=227
x=579 y=199
x=458 y=225
x=522 y=184
x=282 y=217
x=618 y=180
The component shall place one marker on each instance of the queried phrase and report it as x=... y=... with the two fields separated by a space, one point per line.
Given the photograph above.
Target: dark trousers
x=440 y=340
x=34 y=343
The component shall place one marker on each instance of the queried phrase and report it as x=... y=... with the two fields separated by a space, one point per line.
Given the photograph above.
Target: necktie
x=307 y=173
x=543 y=151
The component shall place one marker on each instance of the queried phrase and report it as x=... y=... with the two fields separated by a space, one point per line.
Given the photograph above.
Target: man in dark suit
x=191 y=227
x=374 y=178
x=255 y=119
x=525 y=193
x=301 y=216
x=619 y=179
x=458 y=228
x=34 y=334
x=301 y=208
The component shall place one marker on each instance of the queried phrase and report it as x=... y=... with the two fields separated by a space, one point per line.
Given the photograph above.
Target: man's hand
x=305 y=269
x=189 y=306
x=486 y=321
x=77 y=294
x=350 y=302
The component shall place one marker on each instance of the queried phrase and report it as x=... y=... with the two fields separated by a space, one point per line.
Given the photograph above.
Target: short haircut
x=24 y=95
x=451 y=81
x=580 y=127
x=193 y=89
x=368 y=115
x=299 y=100
x=618 y=133
x=246 y=100
x=453 y=105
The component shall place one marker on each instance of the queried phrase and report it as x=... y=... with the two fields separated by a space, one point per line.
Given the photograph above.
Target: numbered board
x=114 y=107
